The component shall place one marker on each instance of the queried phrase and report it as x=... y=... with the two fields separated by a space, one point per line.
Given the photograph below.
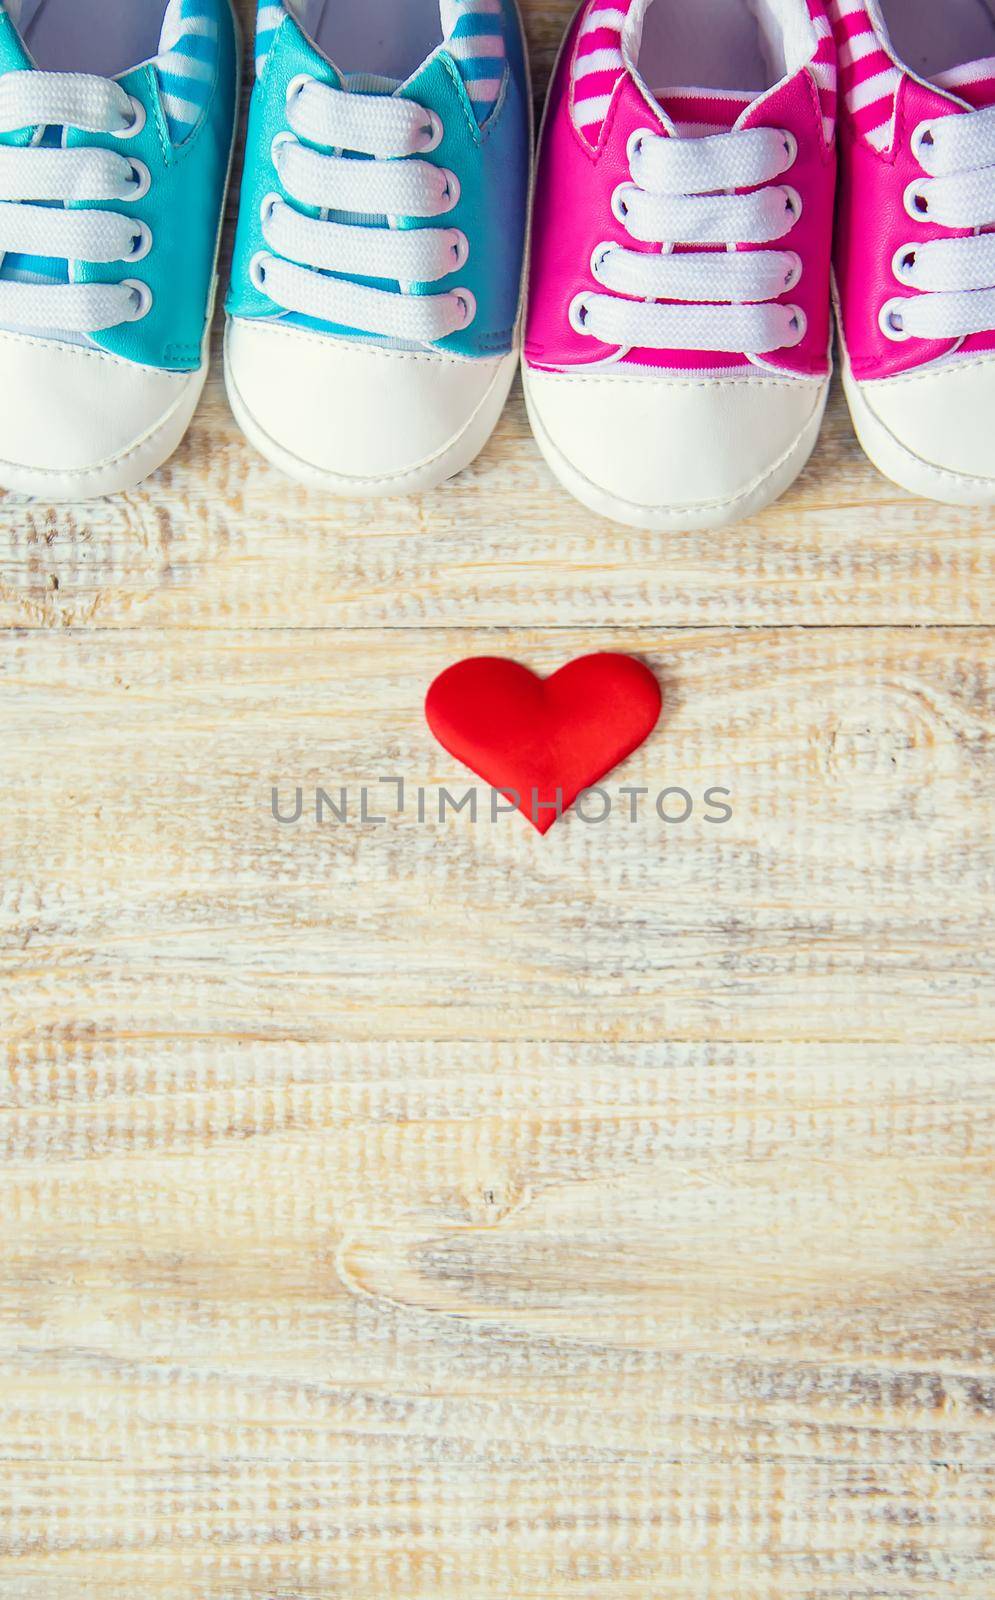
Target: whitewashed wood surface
x=434 y=1212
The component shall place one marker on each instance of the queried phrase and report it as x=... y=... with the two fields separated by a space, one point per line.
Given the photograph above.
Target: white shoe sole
x=129 y=468
x=702 y=516
x=902 y=466
x=454 y=456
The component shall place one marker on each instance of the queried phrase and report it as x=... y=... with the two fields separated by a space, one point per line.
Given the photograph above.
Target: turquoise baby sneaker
x=376 y=292
x=117 y=120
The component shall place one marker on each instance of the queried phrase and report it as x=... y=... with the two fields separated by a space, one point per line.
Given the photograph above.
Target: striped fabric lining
x=598 y=64
x=824 y=66
x=868 y=73
x=187 y=63
x=974 y=83
x=696 y=114
x=473 y=32
x=268 y=20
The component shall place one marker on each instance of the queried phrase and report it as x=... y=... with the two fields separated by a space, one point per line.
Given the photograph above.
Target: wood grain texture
x=497 y=1335
x=853 y=881
x=427 y=1211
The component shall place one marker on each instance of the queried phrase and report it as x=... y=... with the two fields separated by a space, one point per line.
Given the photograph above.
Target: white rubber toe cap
x=77 y=423
x=675 y=453
x=931 y=431
x=358 y=419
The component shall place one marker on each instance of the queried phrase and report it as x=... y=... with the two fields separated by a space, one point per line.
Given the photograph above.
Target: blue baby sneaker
x=117 y=119
x=376 y=291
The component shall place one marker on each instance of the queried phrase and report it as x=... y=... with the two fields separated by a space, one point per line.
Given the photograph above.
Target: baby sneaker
x=677 y=345
x=374 y=307
x=915 y=255
x=116 y=128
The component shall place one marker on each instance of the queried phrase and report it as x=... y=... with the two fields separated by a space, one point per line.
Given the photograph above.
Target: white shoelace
x=955 y=278
x=682 y=193
x=36 y=183
x=393 y=183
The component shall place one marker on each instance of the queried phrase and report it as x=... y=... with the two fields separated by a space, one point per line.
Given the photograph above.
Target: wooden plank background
x=426 y=1211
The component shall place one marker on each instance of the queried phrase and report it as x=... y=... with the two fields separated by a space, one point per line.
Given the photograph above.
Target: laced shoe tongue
x=472 y=31
x=974 y=82
x=696 y=113
x=370 y=83
x=14 y=57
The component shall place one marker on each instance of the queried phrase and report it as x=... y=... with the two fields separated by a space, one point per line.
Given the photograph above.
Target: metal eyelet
x=793 y=201
x=452 y=190
x=916 y=203
x=790 y=147
x=620 y=203
x=279 y=140
x=143 y=298
x=636 y=141
x=142 y=179
x=799 y=325
x=903 y=262
x=268 y=207
x=461 y=249
x=922 y=137
x=891 y=320
x=143 y=243
x=436 y=131
x=579 y=315
x=599 y=254
x=257 y=270
x=795 y=271
x=294 y=87
x=137 y=123
x=469 y=303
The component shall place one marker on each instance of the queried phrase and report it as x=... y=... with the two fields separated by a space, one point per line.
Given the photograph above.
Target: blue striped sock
x=188 y=63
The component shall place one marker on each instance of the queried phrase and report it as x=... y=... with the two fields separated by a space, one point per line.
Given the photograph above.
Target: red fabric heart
x=537 y=736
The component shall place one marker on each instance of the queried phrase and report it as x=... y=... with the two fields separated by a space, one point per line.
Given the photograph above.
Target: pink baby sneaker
x=915 y=255
x=677 y=351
